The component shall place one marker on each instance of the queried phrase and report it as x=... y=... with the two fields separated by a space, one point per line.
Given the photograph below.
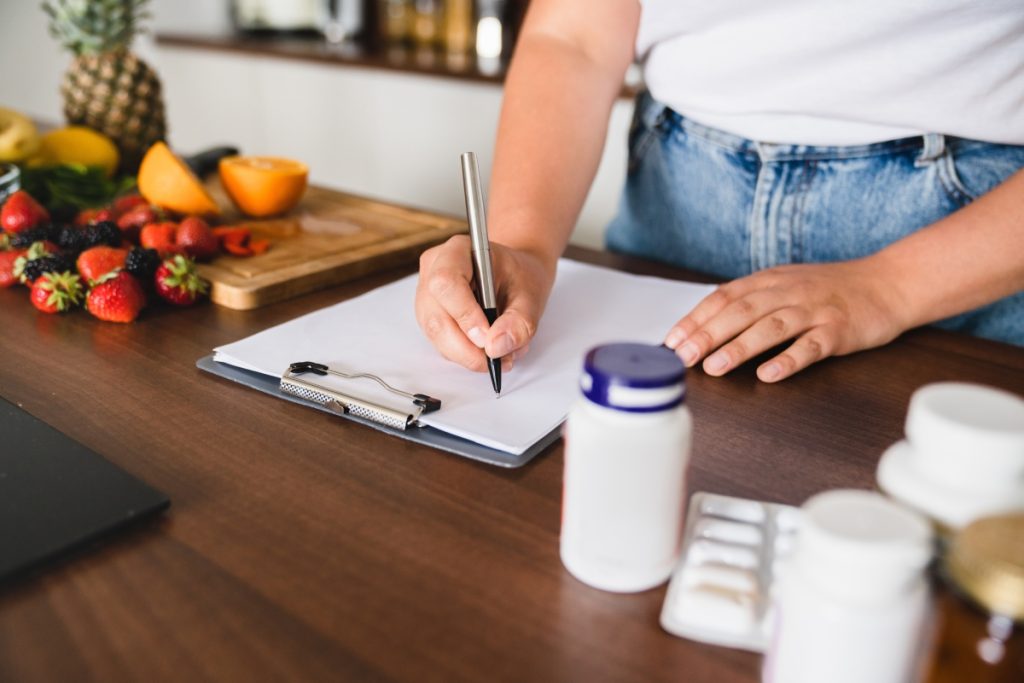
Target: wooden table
x=303 y=547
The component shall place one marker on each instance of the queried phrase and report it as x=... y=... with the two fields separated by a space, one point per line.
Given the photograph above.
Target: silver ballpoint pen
x=477 y=218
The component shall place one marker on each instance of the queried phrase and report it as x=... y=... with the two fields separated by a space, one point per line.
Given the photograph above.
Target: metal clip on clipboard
x=346 y=404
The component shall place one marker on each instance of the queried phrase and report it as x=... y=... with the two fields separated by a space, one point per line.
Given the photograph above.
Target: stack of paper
x=377 y=333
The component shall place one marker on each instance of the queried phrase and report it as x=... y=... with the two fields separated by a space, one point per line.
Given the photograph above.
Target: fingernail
x=477 y=336
x=770 y=371
x=689 y=353
x=675 y=338
x=716 y=363
x=502 y=346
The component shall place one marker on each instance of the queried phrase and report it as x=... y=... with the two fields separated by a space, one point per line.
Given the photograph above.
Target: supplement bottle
x=627 y=445
x=854 y=598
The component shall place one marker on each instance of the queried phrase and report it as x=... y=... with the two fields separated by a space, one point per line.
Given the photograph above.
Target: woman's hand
x=830 y=309
x=451 y=317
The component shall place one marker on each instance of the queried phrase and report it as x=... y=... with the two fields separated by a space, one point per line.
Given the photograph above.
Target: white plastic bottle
x=853 y=601
x=627 y=445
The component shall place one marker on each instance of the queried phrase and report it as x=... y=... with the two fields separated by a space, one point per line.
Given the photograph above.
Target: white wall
x=390 y=135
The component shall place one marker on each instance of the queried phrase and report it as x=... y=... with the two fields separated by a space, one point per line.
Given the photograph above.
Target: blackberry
x=142 y=263
x=51 y=263
x=104 y=232
x=71 y=238
x=25 y=238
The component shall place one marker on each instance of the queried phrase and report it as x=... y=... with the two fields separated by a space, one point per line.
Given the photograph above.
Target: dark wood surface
x=304 y=547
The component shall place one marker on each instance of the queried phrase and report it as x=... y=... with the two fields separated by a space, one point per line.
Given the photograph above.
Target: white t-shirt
x=839 y=72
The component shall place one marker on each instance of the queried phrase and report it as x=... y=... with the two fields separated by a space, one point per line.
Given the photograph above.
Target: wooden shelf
x=317 y=50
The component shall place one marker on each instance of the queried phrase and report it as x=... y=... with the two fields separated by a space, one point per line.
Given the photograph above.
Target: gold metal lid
x=986 y=560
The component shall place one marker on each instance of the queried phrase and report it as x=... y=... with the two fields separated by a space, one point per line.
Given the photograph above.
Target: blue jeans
x=710 y=201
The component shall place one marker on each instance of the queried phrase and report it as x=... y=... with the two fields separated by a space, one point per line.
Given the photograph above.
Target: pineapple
x=107 y=87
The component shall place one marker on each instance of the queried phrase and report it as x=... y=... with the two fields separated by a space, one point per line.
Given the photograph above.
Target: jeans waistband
x=655 y=114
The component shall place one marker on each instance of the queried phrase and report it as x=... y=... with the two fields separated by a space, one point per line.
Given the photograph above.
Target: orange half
x=263 y=186
x=166 y=181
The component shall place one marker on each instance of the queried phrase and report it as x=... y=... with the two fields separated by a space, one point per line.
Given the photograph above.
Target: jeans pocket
x=950 y=180
x=649 y=118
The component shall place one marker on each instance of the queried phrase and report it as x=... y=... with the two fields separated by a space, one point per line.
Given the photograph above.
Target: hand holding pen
x=450 y=313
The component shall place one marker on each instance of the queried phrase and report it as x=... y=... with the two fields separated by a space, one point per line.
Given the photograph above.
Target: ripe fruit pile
x=110 y=259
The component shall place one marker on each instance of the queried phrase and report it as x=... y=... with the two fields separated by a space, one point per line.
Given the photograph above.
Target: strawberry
x=160 y=236
x=7 y=259
x=21 y=212
x=123 y=205
x=117 y=297
x=238 y=241
x=56 y=292
x=96 y=262
x=132 y=220
x=90 y=216
x=178 y=282
x=196 y=239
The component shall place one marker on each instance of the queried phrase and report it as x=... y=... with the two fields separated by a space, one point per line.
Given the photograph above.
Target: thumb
x=511 y=331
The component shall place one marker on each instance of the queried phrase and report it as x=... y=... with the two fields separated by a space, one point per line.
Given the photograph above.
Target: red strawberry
x=117 y=297
x=160 y=236
x=196 y=238
x=21 y=212
x=123 y=205
x=7 y=259
x=132 y=220
x=89 y=216
x=56 y=292
x=96 y=262
x=178 y=282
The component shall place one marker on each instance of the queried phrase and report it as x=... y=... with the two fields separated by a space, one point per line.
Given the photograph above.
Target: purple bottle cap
x=635 y=378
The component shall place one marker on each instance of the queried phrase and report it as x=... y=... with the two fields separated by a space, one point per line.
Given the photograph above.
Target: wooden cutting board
x=329 y=238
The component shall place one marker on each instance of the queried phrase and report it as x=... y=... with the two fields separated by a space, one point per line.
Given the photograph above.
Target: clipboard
x=428 y=436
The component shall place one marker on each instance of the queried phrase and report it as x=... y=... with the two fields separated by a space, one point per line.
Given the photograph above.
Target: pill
x=704 y=551
x=731 y=532
x=733 y=508
x=787 y=519
x=716 y=609
x=722 y=577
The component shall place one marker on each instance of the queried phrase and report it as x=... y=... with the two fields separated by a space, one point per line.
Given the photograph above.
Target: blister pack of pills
x=723 y=588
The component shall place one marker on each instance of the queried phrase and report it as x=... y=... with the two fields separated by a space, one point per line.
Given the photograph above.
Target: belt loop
x=934 y=146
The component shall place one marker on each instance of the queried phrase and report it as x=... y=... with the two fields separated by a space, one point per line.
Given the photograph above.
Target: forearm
x=968 y=259
x=554 y=120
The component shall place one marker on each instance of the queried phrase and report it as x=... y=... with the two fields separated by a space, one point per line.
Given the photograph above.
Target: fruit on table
x=238 y=241
x=90 y=216
x=160 y=236
x=108 y=88
x=135 y=218
x=40 y=259
x=7 y=261
x=142 y=263
x=166 y=181
x=77 y=145
x=56 y=292
x=18 y=136
x=21 y=212
x=263 y=186
x=196 y=239
x=75 y=238
x=117 y=297
x=178 y=282
x=96 y=262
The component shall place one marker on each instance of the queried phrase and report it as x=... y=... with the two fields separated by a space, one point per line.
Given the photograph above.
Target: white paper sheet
x=377 y=333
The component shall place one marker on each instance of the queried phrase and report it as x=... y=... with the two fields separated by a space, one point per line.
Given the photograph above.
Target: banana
x=19 y=138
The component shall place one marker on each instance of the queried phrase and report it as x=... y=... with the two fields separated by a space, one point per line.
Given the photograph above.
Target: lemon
x=18 y=137
x=78 y=145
